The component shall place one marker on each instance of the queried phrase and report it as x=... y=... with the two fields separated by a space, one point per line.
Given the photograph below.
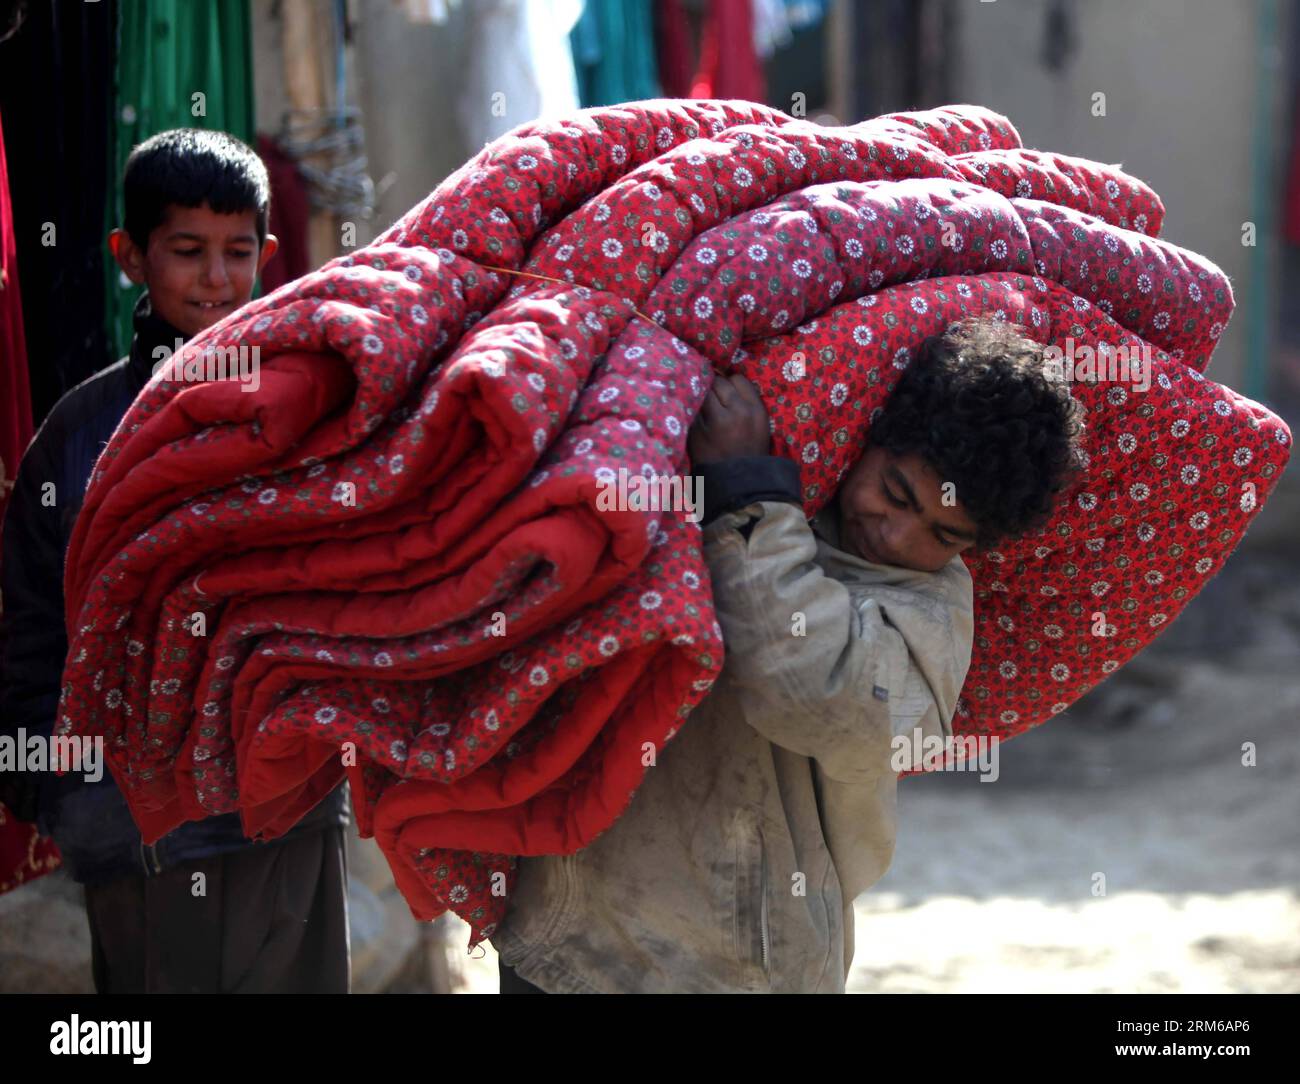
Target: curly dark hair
x=984 y=411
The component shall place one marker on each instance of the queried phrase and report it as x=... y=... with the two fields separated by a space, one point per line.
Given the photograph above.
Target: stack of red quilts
x=388 y=561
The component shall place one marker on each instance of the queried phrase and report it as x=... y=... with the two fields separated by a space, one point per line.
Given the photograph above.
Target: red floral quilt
x=388 y=561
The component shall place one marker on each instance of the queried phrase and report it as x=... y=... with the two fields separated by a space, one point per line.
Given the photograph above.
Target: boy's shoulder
x=80 y=406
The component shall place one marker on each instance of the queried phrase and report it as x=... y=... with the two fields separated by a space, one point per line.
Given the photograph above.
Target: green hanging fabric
x=613 y=53
x=168 y=53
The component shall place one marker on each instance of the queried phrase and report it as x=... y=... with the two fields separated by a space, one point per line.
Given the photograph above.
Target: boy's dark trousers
x=511 y=983
x=272 y=919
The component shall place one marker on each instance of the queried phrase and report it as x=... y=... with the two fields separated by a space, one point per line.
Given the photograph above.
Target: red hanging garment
x=15 y=395
x=1291 y=193
x=673 y=53
x=290 y=217
x=23 y=854
x=729 y=64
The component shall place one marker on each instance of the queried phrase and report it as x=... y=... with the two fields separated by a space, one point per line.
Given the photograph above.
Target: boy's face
x=199 y=267
x=892 y=512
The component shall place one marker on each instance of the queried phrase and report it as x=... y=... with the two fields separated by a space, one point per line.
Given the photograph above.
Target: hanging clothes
x=613 y=48
x=290 y=216
x=674 y=51
x=427 y=11
x=56 y=78
x=771 y=27
x=518 y=66
x=15 y=395
x=23 y=854
x=1291 y=193
x=801 y=14
x=169 y=51
x=729 y=65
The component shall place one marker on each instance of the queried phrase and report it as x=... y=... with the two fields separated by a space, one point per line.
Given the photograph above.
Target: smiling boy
x=274 y=916
x=736 y=864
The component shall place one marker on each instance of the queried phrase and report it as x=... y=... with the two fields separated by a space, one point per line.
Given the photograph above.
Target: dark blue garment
x=89 y=821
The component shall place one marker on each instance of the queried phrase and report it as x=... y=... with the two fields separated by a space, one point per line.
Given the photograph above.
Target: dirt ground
x=993 y=886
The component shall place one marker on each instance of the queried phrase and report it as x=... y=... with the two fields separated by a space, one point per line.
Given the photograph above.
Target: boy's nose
x=214 y=272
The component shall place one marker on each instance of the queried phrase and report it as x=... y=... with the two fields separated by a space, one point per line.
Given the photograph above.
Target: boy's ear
x=269 y=247
x=128 y=255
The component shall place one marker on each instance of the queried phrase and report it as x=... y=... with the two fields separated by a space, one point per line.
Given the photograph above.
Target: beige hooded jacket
x=736 y=864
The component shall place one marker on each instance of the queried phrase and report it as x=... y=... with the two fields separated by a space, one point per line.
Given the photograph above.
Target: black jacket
x=89 y=821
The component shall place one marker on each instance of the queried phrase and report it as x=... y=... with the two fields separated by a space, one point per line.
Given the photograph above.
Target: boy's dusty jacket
x=736 y=865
